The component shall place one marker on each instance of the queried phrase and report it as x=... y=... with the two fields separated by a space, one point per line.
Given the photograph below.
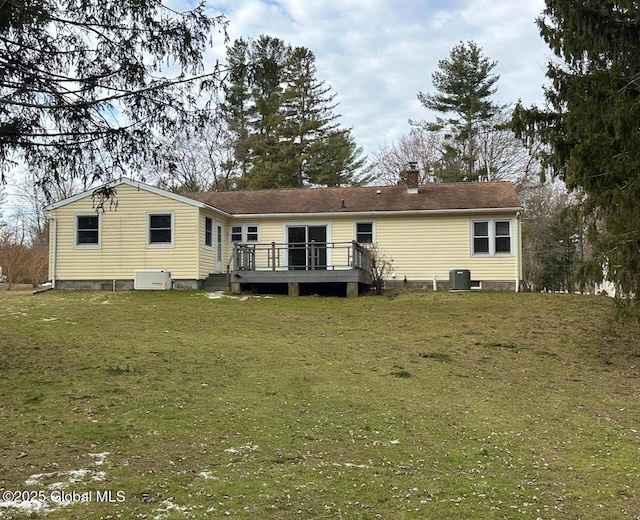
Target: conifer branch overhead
x=82 y=83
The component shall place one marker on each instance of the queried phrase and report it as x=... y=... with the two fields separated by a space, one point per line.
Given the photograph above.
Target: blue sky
x=378 y=54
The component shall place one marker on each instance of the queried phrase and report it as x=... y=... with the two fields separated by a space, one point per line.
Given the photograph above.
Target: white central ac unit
x=152 y=279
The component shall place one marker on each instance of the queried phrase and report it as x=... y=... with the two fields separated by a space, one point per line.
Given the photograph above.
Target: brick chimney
x=412 y=177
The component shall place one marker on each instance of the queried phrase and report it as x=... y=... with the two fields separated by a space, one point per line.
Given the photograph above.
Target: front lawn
x=426 y=405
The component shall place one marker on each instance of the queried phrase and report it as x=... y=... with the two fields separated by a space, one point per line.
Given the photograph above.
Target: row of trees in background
x=22 y=259
x=276 y=127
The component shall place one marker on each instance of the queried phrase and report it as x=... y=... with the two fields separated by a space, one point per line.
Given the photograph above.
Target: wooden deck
x=254 y=265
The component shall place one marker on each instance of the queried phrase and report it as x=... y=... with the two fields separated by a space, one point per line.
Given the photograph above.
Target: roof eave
x=514 y=209
x=139 y=185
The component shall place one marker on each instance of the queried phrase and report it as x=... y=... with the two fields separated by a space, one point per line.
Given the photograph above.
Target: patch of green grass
x=544 y=353
x=437 y=356
x=508 y=346
x=399 y=371
x=117 y=370
x=520 y=405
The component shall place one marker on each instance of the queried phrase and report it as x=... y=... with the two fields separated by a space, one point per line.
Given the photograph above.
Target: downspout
x=54 y=251
x=200 y=245
x=519 y=250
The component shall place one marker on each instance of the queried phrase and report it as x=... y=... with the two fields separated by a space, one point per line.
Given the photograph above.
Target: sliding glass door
x=307 y=247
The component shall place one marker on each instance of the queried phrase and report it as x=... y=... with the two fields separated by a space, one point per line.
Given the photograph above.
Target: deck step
x=216 y=282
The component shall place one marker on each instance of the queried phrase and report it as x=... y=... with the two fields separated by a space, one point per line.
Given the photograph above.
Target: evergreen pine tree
x=308 y=117
x=590 y=127
x=236 y=107
x=339 y=162
x=83 y=91
x=464 y=84
x=267 y=56
x=283 y=119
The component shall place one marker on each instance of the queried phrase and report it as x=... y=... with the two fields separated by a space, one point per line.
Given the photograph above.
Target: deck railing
x=299 y=256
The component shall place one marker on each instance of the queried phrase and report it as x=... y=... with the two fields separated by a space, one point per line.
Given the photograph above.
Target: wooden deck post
x=352 y=289
x=313 y=254
x=236 y=257
x=294 y=289
x=273 y=256
x=235 y=287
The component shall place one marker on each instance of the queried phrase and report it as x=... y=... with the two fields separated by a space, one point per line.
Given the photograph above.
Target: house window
x=252 y=234
x=236 y=233
x=503 y=236
x=160 y=229
x=491 y=237
x=245 y=233
x=364 y=232
x=208 y=232
x=88 y=230
x=480 y=238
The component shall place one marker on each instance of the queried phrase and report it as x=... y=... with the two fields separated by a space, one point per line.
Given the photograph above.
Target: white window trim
x=209 y=247
x=285 y=229
x=476 y=285
x=373 y=229
x=77 y=245
x=245 y=233
x=161 y=245
x=492 y=236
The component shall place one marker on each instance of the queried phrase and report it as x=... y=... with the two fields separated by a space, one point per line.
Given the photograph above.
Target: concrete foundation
x=117 y=285
x=353 y=288
x=294 y=289
x=443 y=285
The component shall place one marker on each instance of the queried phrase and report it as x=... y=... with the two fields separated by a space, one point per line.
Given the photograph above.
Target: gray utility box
x=152 y=279
x=460 y=280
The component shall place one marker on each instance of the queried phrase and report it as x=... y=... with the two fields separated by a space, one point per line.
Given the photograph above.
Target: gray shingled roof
x=430 y=197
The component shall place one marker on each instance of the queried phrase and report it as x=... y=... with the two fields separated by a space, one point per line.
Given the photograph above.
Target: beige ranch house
x=436 y=236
